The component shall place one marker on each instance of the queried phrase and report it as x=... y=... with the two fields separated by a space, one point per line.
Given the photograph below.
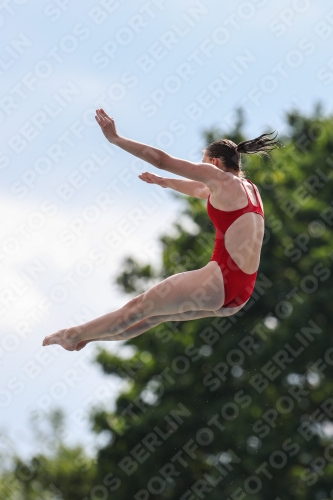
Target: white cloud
x=42 y=262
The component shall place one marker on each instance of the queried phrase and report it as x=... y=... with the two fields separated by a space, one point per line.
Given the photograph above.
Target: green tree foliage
x=240 y=407
x=63 y=473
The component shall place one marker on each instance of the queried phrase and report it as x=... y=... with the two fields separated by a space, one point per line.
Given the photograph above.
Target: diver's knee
x=222 y=311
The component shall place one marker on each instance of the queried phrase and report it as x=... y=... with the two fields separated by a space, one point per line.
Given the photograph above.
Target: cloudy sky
x=72 y=204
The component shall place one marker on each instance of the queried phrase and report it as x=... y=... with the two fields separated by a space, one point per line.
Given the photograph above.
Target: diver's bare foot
x=68 y=339
x=82 y=344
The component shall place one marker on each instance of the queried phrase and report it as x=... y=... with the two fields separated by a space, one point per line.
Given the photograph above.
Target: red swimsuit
x=238 y=285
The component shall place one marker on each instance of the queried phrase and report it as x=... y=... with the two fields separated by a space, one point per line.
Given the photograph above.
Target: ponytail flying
x=230 y=152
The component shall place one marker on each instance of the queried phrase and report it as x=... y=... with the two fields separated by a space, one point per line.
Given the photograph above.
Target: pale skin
x=189 y=295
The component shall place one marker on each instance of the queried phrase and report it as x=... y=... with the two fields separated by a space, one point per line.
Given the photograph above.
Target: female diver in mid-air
x=225 y=284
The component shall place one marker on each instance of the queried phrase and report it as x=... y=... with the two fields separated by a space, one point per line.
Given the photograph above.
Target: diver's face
x=214 y=161
x=206 y=159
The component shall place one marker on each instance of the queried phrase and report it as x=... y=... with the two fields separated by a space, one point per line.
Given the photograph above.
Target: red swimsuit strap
x=257 y=207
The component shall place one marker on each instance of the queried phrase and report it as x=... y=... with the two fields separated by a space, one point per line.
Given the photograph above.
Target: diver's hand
x=153 y=179
x=107 y=125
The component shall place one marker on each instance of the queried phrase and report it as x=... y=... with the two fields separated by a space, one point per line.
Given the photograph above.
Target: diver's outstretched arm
x=207 y=173
x=144 y=152
x=185 y=186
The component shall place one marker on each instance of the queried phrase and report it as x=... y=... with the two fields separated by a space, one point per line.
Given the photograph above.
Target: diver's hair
x=260 y=144
x=231 y=152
